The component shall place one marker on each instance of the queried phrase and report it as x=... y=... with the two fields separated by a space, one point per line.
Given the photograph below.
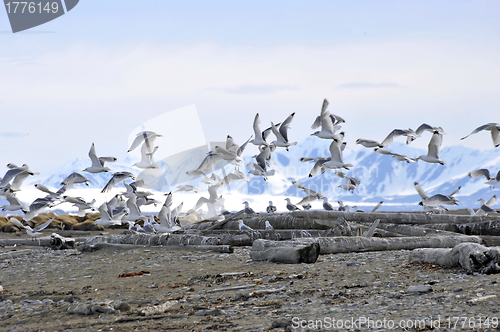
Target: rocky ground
x=178 y=290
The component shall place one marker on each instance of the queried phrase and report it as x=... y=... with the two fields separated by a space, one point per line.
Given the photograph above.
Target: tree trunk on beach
x=288 y=253
x=345 y=244
x=472 y=257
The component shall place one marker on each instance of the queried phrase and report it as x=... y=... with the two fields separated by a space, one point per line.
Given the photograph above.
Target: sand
x=46 y=290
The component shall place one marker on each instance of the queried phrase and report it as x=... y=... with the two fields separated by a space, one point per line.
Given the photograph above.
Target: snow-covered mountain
x=382 y=177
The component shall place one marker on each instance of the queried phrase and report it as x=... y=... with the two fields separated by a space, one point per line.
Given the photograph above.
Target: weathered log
x=392 y=218
x=473 y=257
x=165 y=239
x=491 y=228
x=103 y=245
x=378 y=232
x=58 y=242
x=246 y=238
x=258 y=221
x=279 y=252
x=490 y=241
x=38 y=242
x=345 y=244
x=409 y=230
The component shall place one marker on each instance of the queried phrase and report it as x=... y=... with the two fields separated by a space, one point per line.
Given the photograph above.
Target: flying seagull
x=494 y=128
x=432 y=155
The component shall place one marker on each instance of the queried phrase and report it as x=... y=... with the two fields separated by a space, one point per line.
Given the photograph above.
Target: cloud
x=367 y=85
x=11 y=134
x=252 y=89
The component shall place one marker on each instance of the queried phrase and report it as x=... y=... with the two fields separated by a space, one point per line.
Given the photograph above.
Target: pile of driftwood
x=300 y=236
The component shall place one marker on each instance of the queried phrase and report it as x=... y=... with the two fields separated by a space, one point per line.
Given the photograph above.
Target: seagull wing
x=434 y=145
x=276 y=132
x=336 y=153
x=491 y=201
x=495 y=135
x=43 y=226
x=285 y=125
x=455 y=191
x=17 y=223
x=480 y=172
x=240 y=150
x=480 y=128
x=93 y=157
x=256 y=128
x=420 y=191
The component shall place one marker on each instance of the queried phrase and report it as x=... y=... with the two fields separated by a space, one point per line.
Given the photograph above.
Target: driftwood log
x=344 y=244
x=57 y=242
x=288 y=253
x=164 y=239
x=103 y=245
x=409 y=230
x=392 y=218
x=473 y=257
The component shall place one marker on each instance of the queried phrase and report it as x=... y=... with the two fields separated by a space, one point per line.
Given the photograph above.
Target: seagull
x=213 y=179
x=14 y=203
x=243 y=227
x=328 y=123
x=117 y=178
x=398 y=156
x=282 y=133
x=342 y=207
x=494 y=128
x=208 y=164
x=147 y=161
x=350 y=184
x=187 y=187
x=168 y=217
x=258 y=171
x=98 y=162
x=486 y=206
x=318 y=162
x=33 y=232
x=436 y=200
x=271 y=208
x=248 y=209
x=146 y=137
x=432 y=155
x=134 y=213
x=232 y=152
x=81 y=204
x=269 y=227
x=74 y=178
x=290 y=206
x=306 y=206
x=260 y=136
x=409 y=133
x=327 y=206
x=51 y=193
x=106 y=219
x=425 y=127
x=38 y=205
x=336 y=160
x=17 y=175
x=484 y=172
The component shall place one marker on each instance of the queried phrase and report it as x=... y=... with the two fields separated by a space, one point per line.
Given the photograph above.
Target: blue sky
x=99 y=71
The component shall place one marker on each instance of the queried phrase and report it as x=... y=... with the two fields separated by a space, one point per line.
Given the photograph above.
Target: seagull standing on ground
x=271 y=208
x=290 y=207
x=243 y=227
x=248 y=209
x=269 y=227
x=327 y=206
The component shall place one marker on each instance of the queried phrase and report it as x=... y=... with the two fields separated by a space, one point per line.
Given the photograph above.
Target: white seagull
x=491 y=181
x=494 y=128
x=98 y=162
x=432 y=155
x=282 y=133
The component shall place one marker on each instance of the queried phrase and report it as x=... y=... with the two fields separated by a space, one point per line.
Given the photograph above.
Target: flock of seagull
x=125 y=207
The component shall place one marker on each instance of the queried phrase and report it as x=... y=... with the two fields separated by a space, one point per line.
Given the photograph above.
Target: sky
x=98 y=72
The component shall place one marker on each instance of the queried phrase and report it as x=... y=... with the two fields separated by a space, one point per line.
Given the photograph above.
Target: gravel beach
x=179 y=290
